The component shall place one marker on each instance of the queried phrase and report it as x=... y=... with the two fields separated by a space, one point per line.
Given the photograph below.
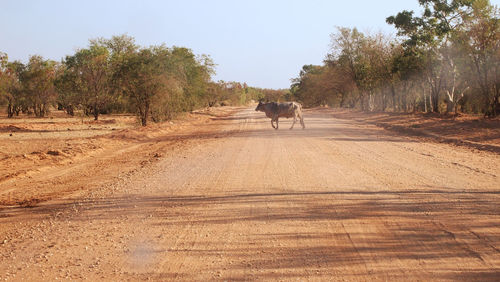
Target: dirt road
x=340 y=200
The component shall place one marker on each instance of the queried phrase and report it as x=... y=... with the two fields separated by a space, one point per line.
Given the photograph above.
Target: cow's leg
x=294 y=120
x=293 y=123
x=272 y=124
x=302 y=121
x=277 y=118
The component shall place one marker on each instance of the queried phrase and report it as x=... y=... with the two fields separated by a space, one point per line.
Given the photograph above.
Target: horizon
x=262 y=44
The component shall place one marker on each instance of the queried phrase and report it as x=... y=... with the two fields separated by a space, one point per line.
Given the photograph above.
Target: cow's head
x=260 y=106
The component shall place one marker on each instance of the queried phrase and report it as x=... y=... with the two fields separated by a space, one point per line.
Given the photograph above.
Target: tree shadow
x=412 y=226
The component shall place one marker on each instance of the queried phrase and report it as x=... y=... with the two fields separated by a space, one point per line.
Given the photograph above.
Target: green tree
x=68 y=97
x=9 y=85
x=430 y=35
x=37 y=80
x=145 y=78
x=346 y=48
x=305 y=88
x=88 y=76
x=120 y=47
x=194 y=72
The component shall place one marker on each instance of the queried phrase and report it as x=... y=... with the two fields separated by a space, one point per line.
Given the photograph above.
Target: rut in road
x=339 y=199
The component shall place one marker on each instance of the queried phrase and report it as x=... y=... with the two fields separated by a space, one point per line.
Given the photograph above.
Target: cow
x=275 y=110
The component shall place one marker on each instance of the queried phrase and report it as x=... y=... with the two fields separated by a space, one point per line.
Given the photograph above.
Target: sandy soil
x=42 y=159
x=471 y=131
x=236 y=200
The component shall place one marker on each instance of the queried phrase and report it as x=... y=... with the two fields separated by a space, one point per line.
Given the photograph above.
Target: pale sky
x=262 y=42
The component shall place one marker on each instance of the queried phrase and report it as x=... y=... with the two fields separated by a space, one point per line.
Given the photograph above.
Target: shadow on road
x=411 y=218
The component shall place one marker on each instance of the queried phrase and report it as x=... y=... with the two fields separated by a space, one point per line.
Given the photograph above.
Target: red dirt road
x=341 y=200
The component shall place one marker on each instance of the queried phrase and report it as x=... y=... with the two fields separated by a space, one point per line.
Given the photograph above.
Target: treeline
x=236 y=93
x=117 y=76
x=445 y=60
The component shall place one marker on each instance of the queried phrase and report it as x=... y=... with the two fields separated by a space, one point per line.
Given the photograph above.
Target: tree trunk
x=495 y=103
x=342 y=99
x=371 y=102
x=493 y=108
x=145 y=114
x=404 y=105
x=450 y=103
x=430 y=103
x=43 y=110
x=70 y=110
x=96 y=112
x=36 y=109
x=10 y=110
x=425 y=99
x=384 y=100
x=434 y=82
x=362 y=101
x=394 y=104
x=435 y=99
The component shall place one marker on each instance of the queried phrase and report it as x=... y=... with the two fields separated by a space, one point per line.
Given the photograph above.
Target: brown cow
x=275 y=110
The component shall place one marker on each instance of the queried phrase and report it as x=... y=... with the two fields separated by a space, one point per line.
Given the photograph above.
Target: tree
x=304 y=88
x=194 y=72
x=365 y=62
x=88 y=76
x=159 y=81
x=9 y=84
x=68 y=97
x=479 y=42
x=375 y=61
x=450 y=54
x=145 y=77
x=346 y=49
x=456 y=84
x=430 y=35
x=407 y=65
x=37 y=80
